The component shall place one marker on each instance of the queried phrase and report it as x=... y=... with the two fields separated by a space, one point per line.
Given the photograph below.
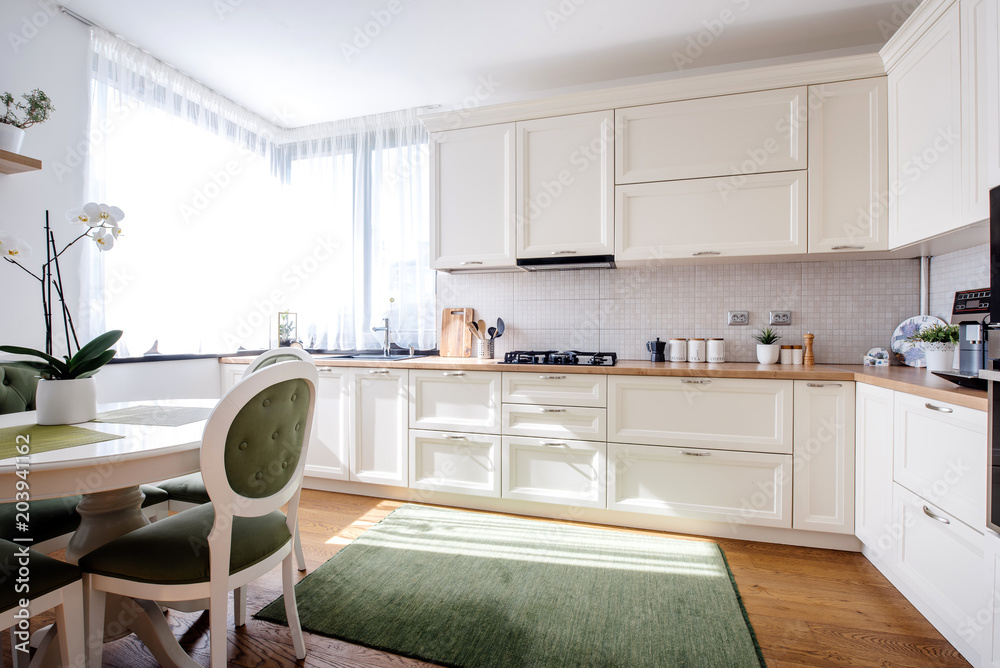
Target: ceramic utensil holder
x=482 y=349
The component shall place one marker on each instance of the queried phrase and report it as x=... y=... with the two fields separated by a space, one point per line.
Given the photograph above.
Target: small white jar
x=678 y=350
x=716 y=351
x=785 y=357
x=797 y=354
x=696 y=350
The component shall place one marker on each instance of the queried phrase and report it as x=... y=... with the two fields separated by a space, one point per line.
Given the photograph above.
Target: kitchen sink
x=370 y=356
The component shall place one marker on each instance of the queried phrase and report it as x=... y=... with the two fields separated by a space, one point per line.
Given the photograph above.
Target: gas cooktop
x=559 y=357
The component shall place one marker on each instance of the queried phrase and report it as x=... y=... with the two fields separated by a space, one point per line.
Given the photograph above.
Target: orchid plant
x=102 y=227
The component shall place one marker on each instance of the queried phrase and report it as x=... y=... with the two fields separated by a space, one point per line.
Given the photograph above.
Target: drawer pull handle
x=563 y=252
x=378 y=371
x=454 y=437
x=553 y=377
x=847 y=248
x=933 y=516
x=553 y=410
x=939 y=409
x=453 y=373
x=689 y=453
x=471 y=262
x=554 y=443
x=696 y=382
x=824 y=385
x=706 y=253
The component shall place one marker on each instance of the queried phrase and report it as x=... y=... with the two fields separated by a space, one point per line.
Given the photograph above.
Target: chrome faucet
x=384 y=328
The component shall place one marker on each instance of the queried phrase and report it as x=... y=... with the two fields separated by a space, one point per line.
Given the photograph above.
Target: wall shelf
x=12 y=163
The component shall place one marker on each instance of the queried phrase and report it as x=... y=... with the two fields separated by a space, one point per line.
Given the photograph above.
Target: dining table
x=145 y=444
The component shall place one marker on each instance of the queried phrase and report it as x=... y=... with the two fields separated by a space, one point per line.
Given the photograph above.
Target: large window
x=230 y=220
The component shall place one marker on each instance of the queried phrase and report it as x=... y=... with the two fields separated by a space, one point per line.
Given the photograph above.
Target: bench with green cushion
x=186 y=489
x=17 y=389
x=47 y=574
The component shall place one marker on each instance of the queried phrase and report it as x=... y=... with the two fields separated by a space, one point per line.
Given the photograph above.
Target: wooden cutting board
x=456 y=339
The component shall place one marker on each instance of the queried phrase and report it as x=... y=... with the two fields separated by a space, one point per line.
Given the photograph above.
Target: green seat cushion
x=45 y=574
x=17 y=389
x=189 y=488
x=175 y=550
x=154 y=495
x=47 y=519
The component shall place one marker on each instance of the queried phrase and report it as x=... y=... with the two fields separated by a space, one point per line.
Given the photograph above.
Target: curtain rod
x=82 y=19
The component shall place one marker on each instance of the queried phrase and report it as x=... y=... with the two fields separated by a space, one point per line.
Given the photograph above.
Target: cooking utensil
x=482 y=328
x=492 y=331
x=456 y=339
x=474 y=329
x=499 y=327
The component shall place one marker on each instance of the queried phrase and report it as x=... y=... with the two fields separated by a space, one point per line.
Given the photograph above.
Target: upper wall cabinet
x=989 y=50
x=716 y=136
x=472 y=198
x=848 y=166
x=565 y=195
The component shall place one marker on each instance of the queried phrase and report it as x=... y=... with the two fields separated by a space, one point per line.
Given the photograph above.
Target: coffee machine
x=971 y=312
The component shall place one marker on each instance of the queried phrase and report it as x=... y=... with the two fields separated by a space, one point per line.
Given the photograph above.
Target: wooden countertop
x=899 y=378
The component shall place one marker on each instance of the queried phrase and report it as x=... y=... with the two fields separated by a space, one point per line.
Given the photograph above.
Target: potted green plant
x=34 y=107
x=938 y=343
x=768 y=350
x=67 y=391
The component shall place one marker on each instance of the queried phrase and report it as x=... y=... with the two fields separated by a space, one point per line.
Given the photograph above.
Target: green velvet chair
x=54 y=584
x=252 y=459
x=188 y=491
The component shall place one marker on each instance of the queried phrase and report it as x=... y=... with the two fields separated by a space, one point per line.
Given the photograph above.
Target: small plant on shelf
x=766 y=336
x=936 y=334
x=768 y=351
x=35 y=108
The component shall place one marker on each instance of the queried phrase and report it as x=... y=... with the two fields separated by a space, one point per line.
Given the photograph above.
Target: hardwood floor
x=809 y=607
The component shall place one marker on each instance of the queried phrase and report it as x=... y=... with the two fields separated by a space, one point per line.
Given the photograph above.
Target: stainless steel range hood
x=564 y=263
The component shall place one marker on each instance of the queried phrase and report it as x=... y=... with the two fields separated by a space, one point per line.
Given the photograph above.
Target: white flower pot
x=768 y=354
x=939 y=356
x=66 y=401
x=11 y=138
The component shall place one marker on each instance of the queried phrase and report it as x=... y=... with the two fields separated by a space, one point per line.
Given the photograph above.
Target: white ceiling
x=299 y=62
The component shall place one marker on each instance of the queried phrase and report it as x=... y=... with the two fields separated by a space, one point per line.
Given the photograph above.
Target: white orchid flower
x=104 y=214
x=114 y=230
x=104 y=239
x=81 y=217
x=13 y=248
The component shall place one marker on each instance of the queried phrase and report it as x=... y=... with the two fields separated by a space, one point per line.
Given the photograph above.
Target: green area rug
x=476 y=590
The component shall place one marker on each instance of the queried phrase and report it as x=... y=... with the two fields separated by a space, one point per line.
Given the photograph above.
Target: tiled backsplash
x=849 y=306
x=962 y=270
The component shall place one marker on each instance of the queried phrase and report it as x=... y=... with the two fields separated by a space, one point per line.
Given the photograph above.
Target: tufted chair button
x=294 y=397
x=297 y=426
x=274 y=436
x=267 y=402
x=284 y=465
x=259 y=476
x=243 y=445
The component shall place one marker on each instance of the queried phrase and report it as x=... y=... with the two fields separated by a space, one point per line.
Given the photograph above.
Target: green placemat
x=43 y=438
x=155 y=416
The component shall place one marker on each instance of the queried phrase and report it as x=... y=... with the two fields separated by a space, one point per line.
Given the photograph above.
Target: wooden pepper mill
x=808 y=358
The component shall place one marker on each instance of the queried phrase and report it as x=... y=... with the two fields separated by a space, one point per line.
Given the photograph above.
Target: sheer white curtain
x=230 y=219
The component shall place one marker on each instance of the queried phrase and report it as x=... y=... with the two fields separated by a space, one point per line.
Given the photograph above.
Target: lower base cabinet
x=554 y=471
x=718 y=485
x=990 y=619
x=449 y=462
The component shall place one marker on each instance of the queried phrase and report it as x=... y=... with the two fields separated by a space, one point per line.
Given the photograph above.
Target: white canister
x=696 y=350
x=797 y=354
x=716 y=351
x=785 y=356
x=678 y=350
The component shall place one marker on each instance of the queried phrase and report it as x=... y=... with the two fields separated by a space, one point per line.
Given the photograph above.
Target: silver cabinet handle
x=824 y=385
x=553 y=377
x=471 y=262
x=553 y=442
x=453 y=437
x=453 y=373
x=939 y=409
x=696 y=382
x=933 y=516
x=689 y=453
x=563 y=252
x=378 y=371
x=847 y=248
x=706 y=253
x=553 y=410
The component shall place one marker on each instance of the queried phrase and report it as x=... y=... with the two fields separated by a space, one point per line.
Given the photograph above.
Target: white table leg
x=105 y=516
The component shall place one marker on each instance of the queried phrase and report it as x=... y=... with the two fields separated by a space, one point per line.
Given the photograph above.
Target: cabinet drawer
x=725 y=413
x=449 y=462
x=455 y=400
x=715 y=136
x=554 y=471
x=734 y=487
x=556 y=389
x=939 y=453
x=942 y=560
x=587 y=424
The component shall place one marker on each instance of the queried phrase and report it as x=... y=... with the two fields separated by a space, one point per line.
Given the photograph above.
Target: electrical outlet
x=780 y=318
x=738 y=317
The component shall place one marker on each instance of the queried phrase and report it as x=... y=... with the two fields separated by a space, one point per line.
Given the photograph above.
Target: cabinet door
x=991 y=641
x=565 y=193
x=824 y=457
x=555 y=471
x=746 y=133
x=733 y=487
x=472 y=197
x=455 y=400
x=760 y=214
x=989 y=50
x=979 y=25
x=725 y=413
x=378 y=426
x=925 y=130
x=848 y=166
x=327 y=457
x=873 y=473
x=939 y=452
x=229 y=375
x=450 y=462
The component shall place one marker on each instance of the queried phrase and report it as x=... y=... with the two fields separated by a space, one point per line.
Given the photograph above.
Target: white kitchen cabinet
x=229 y=375
x=988 y=49
x=823 y=450
x=378 y=426
x=472 y=198
x=565 y=192
x=939 y=453
x=557 y=389
x=741 y=414
x=989 y=620
x=455 y=400
x=587 y=424
x=848 y=166
x=873 y=474
x=747 y=133
x=451 y=462
x=723 y=486
x=759 y=214
x=328 y=454
x=978 y=29
x=555 y=471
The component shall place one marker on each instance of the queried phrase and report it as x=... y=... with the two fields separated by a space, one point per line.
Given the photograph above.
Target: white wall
x=43 y=48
